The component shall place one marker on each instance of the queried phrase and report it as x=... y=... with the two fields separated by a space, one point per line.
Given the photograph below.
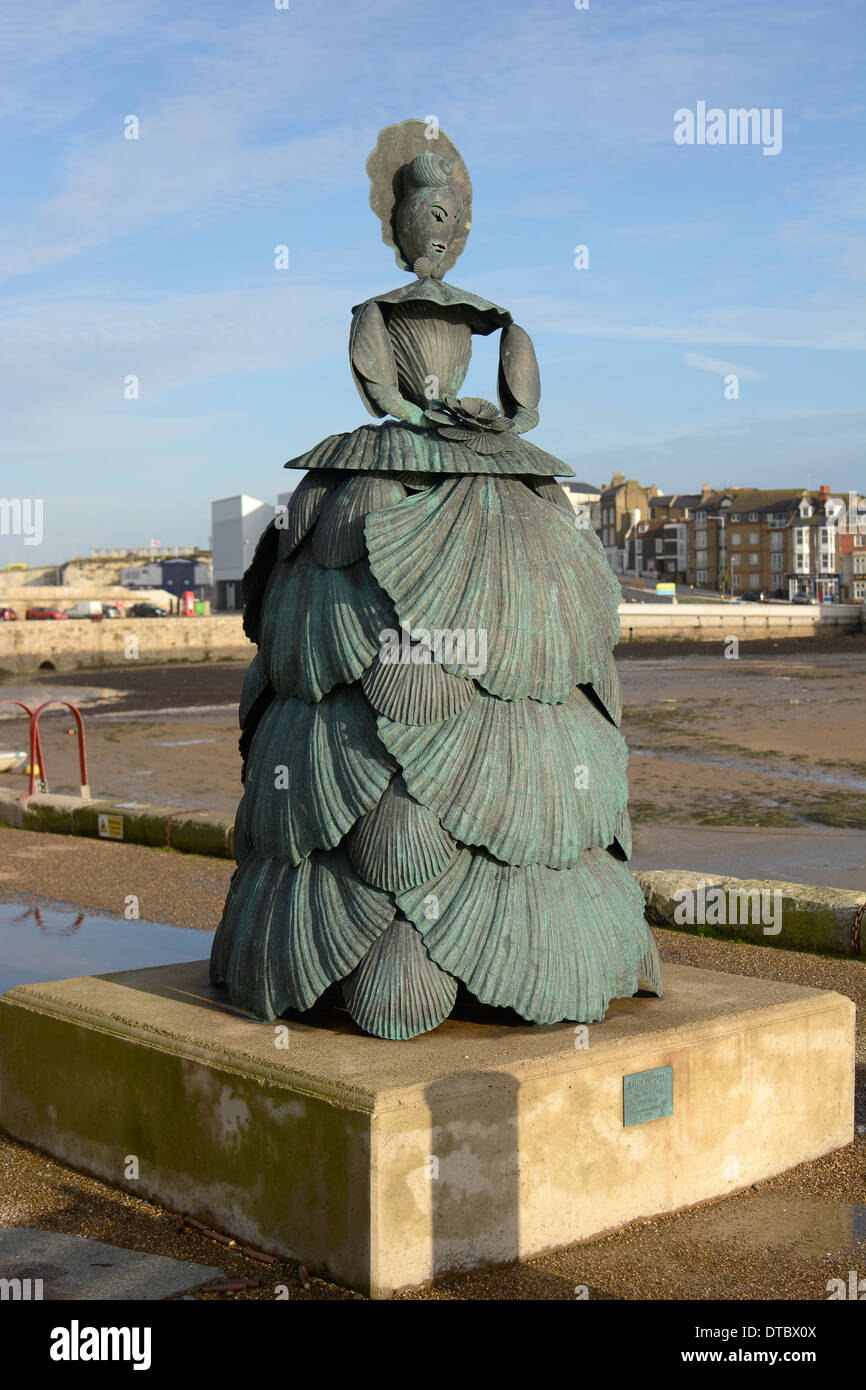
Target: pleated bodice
x=430 y=341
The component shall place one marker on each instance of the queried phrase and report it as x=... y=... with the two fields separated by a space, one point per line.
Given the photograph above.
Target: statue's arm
x=374 y=369
x=519 y=385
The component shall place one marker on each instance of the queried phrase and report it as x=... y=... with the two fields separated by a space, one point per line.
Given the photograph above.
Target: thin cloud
x=712 y=364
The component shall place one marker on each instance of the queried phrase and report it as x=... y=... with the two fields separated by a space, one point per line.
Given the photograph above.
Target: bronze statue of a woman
x=434 y=780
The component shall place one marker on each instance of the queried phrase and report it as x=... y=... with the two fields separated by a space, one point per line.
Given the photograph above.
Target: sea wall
x=25 y=647
x=79 y=643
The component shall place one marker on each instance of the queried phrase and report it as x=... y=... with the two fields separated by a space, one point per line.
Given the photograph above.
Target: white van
x=85 y=608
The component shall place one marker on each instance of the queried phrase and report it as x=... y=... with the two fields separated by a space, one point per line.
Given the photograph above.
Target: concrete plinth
x=380 y=1164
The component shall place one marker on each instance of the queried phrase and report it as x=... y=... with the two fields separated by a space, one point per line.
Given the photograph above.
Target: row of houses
x=784 y=542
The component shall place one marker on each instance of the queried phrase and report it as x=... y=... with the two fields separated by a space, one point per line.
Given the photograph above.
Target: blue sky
x=155 y=257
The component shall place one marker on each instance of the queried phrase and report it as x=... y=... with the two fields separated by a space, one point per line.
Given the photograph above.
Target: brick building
x=623 y=504
x=852 y=552
x=780 y=541
x=660 y=545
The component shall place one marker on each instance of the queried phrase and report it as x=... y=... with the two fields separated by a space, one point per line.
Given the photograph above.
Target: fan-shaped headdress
x=399 y=147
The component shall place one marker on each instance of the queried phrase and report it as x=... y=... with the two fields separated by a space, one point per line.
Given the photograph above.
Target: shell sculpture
x=434 y=779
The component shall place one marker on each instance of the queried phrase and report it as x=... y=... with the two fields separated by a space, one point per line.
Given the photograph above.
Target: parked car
x=111 y=610
x=7 y=615
x=85 y=608
x=802 y=598
x=44 y=612
x=147 y=610
x=754 y=596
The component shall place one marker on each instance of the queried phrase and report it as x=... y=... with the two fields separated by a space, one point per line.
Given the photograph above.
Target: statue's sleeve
x=519 y=385
x=374 y=369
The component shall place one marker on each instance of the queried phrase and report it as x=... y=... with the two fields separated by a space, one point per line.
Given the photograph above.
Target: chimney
x=617 y=480
x=825 y=490
x=706 y=491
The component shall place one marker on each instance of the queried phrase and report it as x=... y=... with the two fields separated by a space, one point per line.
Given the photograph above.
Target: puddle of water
x=56 y=942
x=186 y=742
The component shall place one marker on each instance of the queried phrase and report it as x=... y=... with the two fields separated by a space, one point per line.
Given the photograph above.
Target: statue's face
x=427 y=220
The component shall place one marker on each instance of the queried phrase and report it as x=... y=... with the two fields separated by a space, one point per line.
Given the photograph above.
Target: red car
x=46 y=613
x=7 y=615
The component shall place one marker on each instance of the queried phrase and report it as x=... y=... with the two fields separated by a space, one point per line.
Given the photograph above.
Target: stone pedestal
x=381 y=1165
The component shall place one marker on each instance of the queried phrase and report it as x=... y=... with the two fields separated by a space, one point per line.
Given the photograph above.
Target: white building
x=586 y=500
x=237 y=523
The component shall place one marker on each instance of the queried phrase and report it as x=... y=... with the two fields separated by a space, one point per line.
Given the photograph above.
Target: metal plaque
x=647 y=1095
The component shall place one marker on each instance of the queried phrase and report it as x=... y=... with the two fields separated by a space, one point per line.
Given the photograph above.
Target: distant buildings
x=237 y=522
x=624 y=503
x=852 y=562
x=176 y=576
x=659 y=547
x=585 y=498
x=781 y=541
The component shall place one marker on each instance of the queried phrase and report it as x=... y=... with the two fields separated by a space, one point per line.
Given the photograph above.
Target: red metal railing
x=36 y=747
x=37 y=757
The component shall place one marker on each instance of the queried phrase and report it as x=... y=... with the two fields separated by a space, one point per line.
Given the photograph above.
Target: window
x=754 y=558
x=701 y=578
x=860 y=589
x=701 y=536
x=860 y=564
x=753 y=516
x=776 y=560
x=777 y=540
x=735 y=561
x=754 y=538
x=735 y=516
x=735 y=538
x=700 y=516
x=754 y=580
x=736 y=581
x=701 y=559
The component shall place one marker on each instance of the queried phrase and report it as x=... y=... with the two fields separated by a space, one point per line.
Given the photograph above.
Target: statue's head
x=421 y=193
x=429 y=214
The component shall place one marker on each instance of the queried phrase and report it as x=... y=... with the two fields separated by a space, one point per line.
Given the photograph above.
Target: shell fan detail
x=538 y=640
